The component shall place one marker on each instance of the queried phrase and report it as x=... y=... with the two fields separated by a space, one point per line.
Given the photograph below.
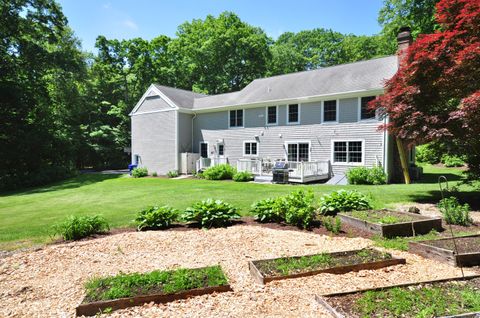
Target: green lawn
x=26 y=216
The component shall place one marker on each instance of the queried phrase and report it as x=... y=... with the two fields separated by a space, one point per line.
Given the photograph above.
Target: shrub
x=242 y=176
x=155 y=217
x=268 y=210
x=139 y=172
x=454 y=212
x=427 y=153
x=154 y=174
x=452 y=161
x=78 y=227
x=364 y=175
x=297 y=208
x=211 y=213
x=172 y=174
x=219 y=172
x=343 y=200
x=332 y=224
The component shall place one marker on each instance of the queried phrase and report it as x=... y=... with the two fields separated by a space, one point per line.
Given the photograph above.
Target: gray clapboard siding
x=348 y=110
x=154 y=140
x=153 y=103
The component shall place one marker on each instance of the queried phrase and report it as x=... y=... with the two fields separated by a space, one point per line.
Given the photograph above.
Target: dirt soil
x=346 y=304
x=49 y=282
x=429 y=209
x=464 y=244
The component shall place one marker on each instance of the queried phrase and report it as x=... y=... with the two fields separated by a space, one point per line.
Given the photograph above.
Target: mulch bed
x=345 y=304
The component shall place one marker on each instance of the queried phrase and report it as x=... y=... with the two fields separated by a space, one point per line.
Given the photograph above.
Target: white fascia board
x=153 y=88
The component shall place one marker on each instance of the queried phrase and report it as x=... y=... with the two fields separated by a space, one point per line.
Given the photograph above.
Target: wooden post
x=403 y=160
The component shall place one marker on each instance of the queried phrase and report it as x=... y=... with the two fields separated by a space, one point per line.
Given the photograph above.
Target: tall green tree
x=218 y=54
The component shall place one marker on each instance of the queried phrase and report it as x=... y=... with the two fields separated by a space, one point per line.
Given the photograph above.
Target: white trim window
x=366 y=113
x=330 y=111
x=293 y=114
x=348 y=152
x=272 y=115
x=220 y=150
x=235 y=118
x=297 y=151
x=204 y=149
x=250 y=148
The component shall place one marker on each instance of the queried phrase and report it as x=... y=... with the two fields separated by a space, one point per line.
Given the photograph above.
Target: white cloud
x=130 y=24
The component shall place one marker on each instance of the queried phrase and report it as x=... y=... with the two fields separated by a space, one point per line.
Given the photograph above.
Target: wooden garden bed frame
x=420 y=225
x=423 y=248
x=323 y=299
x=261 y=279
x=93 y=308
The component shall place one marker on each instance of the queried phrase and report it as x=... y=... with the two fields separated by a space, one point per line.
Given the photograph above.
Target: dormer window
x=365 y=112
x=293 y=114
x=236 y=118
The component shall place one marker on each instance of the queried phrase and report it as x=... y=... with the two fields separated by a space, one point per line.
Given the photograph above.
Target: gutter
x=193 y=118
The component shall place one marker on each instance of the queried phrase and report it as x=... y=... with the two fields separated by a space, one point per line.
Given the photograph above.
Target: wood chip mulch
x=49 y=282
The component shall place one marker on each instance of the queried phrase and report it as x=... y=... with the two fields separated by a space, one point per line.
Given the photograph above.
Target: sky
x=126 y=19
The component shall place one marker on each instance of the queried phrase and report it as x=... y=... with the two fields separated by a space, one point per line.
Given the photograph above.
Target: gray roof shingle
x=182 y=98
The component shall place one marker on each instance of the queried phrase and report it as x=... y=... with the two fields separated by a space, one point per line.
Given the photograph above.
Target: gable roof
x=182 y=98
x=344 y=78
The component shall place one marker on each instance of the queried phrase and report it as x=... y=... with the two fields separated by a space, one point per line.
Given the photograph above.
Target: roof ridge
x=322 y=68
x=180 y=89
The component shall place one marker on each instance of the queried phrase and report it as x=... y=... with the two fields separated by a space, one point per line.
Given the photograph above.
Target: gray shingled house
x=316 y=120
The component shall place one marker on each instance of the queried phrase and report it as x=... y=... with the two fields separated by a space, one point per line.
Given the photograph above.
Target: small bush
x=454 y=212
x=452 y=161
x=242 y=176
x=154 y=174
x=364 y=175
x=219 y=172
x=427 y=153
x=332 y=224
x=268 y=210
x=155 y=217
x=342 y=201
x=211 y=213
x=172 y=174
x=78 y=227
x=139 y=172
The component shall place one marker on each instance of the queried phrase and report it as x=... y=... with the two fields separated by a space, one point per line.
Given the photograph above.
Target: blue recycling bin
x=131 y=167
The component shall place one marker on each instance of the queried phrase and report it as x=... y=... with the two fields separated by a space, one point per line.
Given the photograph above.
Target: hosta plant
x=155 y=217
x=211 y=213
x=342 y=201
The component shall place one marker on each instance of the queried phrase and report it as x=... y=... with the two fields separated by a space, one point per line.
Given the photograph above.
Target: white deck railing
x=204 y=163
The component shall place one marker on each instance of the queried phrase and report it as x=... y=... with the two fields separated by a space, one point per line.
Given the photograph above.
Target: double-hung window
x=365 y=112
x=349 y=152
x=236 y=118
x=250 y=148
x=271 y=115
x=204 y=149
x=298 y=151
x=293 y=114
x=329 y=110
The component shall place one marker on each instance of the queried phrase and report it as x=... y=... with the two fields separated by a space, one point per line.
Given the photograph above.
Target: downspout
x=385 y=149
x=194 y=116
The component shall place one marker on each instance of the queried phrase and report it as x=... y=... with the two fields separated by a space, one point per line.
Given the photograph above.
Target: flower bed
x=128 y=290
x=388 y=223
x=268 y=270
x=452 y=298
x=444 y=250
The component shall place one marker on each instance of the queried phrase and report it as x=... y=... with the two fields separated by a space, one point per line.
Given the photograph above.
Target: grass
x=156 y=282
x=292 y=265
x=380 y=217
x=26 y=216
x=431 y=301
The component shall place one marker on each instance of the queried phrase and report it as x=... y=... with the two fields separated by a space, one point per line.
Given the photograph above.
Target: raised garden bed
x=267 y=270
x=389 y=223
x=446 y=298
x=443 y=250
x=128 y=290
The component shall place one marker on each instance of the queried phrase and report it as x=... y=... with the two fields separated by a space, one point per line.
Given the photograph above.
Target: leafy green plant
x=219 y=172
x=139 y=172
x=154 y=174
x=364 y=175
x=268 y=210
x=168 y=282
x=242 y=176
x=401 y=243
x=211 y=213
x=172 y=174
x=342 y=201
x=155 y=217
x=454 y=212
x=428 y=153
x=452 y=160
x=299 y=208
x=332 y=224
x=289 y=265
x=77 y=227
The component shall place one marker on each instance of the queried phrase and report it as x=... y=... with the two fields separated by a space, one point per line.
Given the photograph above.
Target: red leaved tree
x=436 y=93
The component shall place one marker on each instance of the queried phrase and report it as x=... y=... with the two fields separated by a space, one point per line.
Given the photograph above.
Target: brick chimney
x=404 y=39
